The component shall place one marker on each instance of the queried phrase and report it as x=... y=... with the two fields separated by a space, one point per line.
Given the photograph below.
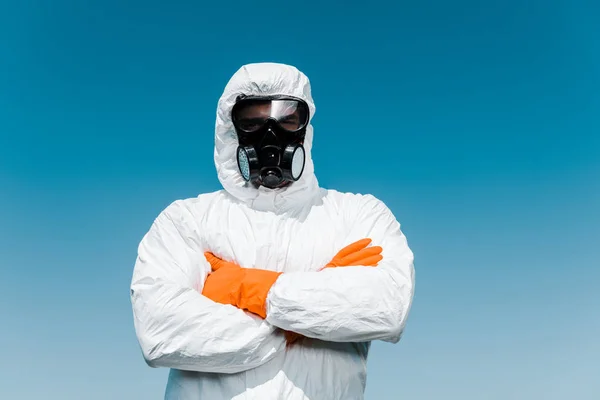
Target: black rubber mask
x=271 y=133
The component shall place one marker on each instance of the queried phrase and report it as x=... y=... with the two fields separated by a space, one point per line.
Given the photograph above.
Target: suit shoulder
x=193 y=204
x=350 y=198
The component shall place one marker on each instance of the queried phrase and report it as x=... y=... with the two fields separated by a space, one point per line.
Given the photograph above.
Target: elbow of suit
x=152 y=354
x=393 y=327
x=394 y=332
x=395 y=319
x=401 y=294
x=151 y=362
x=160 y=353
x=157 y=356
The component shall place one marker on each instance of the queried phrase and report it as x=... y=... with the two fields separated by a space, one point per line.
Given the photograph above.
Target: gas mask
x=271 y=133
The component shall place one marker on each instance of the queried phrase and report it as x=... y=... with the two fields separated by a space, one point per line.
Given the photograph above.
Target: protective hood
x=263 y=79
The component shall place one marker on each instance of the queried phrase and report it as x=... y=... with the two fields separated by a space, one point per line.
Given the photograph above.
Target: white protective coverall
x=219 y=352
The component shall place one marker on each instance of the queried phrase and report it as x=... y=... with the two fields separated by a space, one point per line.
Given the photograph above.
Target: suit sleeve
x=355 y=303
x=175 y=325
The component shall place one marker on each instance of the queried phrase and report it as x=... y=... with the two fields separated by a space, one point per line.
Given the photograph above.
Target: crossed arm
x=178 y=327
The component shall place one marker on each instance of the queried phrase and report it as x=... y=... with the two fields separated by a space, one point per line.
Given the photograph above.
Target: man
x=272 y=288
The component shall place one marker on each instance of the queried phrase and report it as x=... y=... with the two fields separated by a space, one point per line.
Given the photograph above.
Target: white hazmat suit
x=219 y=352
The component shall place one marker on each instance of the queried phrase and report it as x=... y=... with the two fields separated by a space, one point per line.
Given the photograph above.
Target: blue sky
x=476 y=123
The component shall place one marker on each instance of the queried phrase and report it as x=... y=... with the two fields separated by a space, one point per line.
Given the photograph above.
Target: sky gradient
x=477 y=124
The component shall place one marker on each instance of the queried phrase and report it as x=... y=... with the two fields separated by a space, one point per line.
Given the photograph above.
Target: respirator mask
x=270 y=133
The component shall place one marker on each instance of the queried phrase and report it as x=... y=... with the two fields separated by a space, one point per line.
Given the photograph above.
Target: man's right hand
x=357 y=253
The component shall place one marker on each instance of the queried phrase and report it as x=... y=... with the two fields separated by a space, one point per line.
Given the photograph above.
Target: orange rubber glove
x=356 y=253
x=244 y=288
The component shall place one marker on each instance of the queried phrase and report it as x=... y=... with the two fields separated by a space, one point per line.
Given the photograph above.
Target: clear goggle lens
x=250 y=115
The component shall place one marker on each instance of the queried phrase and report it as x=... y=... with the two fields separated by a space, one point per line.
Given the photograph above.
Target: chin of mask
x=271 y=133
